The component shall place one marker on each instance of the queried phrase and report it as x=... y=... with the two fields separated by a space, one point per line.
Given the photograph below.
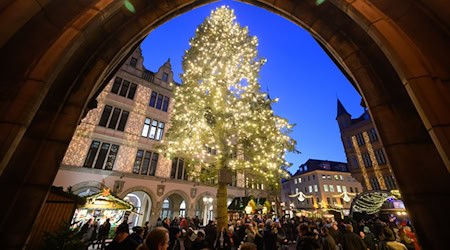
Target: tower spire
x=340 y=109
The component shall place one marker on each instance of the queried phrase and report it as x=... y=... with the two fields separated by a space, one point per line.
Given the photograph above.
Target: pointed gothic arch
x=394 y=52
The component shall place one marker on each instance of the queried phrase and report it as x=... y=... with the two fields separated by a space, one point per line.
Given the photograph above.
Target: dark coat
x=352 y=241
x=307 y=242
x=127 y=244
x=328 y=243
x=270 y=238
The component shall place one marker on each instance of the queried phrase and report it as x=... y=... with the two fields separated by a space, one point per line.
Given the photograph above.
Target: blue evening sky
x=297 y=71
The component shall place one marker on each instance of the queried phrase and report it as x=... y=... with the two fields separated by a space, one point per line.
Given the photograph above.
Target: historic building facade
x=366 y=158
x=114 y=147
x=320 y=184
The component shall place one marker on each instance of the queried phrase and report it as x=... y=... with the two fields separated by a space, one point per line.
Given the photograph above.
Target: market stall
x=248 y=205
x=101 y=206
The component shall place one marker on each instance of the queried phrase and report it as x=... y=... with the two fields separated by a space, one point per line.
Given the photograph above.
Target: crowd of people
x=256 y=233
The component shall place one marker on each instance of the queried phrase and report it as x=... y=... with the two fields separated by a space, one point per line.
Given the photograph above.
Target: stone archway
x=394 y=52
x=204 y=206
x=173 y=208
x=148 y=205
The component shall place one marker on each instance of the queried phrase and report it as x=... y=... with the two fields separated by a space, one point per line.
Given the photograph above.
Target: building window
x=124 y=88
x=314 y=176
x=336 y=177
x=331 y=188
x=296 y=190
x=325 y=187
x=145 y=163
x=309 y=178
x=367 y=160
x=341 y=177
x=372 y=135
x=133 y=62
x=147 y=75
x=165 y=77
x=326 y=166
x=324 y=176
x=354 y=162
x=310 y=189
x=114 y=119
x=101 y=155
x=183 y=209
x=375 y=184
x=360 y=139
x=165 y=211
x=379 y=155
x=159 y=131
x=165 y=106
x=356 y=190
x=306 y=168
x=344 y=189
x=349 y=142
x=329 y=177
x=178 y=169
x=153 y=99
x=299 y=179
x=328 y=200
x=159 y=101
x=351 y=190
x=390 y=183
x=339 y=189
x=153 y=129
x=295 y=181
x=316 y=188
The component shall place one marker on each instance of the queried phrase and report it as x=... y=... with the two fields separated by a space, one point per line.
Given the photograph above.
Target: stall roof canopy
x=106 y=201
x=239 y=203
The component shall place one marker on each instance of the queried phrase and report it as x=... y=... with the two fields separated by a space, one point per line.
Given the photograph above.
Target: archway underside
x=394 y=52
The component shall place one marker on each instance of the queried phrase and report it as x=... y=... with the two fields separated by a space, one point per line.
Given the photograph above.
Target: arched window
x=165 y=212
x=183 y=209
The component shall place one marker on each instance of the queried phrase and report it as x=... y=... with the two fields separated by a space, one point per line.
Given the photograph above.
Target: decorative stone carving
x=160 y=190
x=193 y=192
x=118 y=186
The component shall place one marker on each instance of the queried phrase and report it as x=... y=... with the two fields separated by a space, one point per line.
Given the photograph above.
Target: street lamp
x=207 y=201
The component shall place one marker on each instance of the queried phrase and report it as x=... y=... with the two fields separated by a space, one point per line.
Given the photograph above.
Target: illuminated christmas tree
x=221 y=121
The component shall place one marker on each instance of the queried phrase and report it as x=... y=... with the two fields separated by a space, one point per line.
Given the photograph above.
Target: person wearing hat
x=122 y=240
x=387 y=240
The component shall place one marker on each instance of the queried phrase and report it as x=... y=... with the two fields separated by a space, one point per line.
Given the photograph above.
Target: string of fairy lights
x=361 y=163
x=219 y=105
x=376 y=167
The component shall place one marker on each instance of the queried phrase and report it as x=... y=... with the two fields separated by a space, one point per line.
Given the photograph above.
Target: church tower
x=343 y=118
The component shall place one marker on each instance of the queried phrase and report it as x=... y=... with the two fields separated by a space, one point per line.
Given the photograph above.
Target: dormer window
x=133 y=62
x=326 y=166
x=165 y=77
